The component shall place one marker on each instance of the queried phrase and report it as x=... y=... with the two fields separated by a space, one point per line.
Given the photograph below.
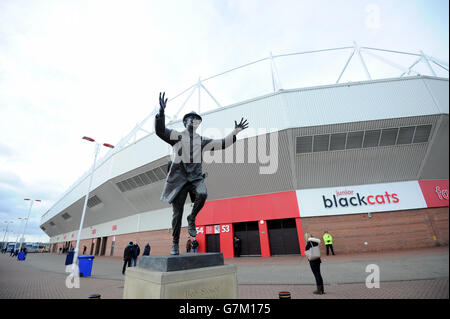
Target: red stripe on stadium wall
x=249 y=208
x=435 y=192
x=223 y=213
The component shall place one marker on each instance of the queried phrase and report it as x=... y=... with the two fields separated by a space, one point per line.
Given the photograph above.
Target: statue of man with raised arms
x=185 y=169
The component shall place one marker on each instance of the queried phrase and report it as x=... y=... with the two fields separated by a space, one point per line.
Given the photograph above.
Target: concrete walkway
x=421 y=273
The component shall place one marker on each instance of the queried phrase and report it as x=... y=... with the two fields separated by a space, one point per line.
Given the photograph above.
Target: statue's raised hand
x=162 y=102
x=242 y=125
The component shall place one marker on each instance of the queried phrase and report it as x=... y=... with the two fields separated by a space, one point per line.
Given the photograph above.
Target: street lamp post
x=97 y=148
x=28 y=217
x=18 y=234
x=6 y=231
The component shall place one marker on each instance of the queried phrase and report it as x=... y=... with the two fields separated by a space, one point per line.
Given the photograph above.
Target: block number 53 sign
x=214 y=229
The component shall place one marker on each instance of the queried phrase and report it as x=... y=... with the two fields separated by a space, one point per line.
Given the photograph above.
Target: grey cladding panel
x=436 y=162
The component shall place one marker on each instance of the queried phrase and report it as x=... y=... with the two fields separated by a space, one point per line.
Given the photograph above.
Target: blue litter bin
x=21 y=256
x=69 y=257
x=85 y=263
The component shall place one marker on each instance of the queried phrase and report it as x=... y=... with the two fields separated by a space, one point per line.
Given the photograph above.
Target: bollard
x=95 y=296
x=284 y=295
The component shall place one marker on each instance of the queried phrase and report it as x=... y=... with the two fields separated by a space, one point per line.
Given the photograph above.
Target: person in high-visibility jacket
x=328 y=240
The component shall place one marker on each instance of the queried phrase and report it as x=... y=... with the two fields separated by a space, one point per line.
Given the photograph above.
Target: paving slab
x=418 y=274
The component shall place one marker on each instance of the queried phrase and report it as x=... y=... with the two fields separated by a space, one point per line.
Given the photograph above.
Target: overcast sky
x=95 y=68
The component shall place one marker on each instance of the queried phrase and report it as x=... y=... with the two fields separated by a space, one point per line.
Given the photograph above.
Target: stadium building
x=367 y=161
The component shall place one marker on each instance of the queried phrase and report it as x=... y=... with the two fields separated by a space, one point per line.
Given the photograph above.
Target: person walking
x=314 y=262
x=146 y=250
x=328 y=240
x=136 y=252
x=194 y=245
x=127 y=255
x=188 y=245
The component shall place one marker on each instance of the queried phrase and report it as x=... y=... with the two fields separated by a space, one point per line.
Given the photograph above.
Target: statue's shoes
x=175 y=250
x=191 y=226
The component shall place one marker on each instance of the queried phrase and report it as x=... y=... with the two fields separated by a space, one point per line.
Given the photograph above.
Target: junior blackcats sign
x=360 y=199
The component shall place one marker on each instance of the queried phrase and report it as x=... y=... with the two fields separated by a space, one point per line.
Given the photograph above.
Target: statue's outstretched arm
x=220 y=144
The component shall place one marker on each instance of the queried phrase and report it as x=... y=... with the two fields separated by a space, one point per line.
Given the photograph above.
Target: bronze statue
x=185 y=169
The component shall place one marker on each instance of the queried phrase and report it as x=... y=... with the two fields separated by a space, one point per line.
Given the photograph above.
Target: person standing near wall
x=136 y=252
x=188 y=245
x=237 y=246
x=194 y=245
x=314 y=262
x=328 y=240
x=146 y=250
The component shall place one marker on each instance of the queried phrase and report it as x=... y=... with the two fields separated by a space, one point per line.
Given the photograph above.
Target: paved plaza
x=413 y=274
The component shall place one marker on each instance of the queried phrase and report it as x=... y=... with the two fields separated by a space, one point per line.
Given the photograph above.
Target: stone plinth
x=188 y=276
x=181 y=262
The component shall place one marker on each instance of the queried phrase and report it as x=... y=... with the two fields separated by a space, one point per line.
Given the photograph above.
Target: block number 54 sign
x=217 y=229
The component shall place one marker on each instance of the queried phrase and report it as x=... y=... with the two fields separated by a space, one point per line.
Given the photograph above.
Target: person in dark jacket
x=136 y=252
x=237 y=246
x=127 y=256
x=314 y=264
x=185 y=169
x=194 y=245
x=146 y=250
x=188 y=245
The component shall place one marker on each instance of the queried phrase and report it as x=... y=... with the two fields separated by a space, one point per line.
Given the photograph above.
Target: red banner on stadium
x=435 y=192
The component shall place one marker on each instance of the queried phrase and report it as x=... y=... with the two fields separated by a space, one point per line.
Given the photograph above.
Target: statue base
x=186 y=276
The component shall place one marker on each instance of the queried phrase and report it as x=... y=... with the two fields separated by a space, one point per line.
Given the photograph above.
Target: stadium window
x=152 y=176
x=132 y=183
x=405 y=135
x=138 y=181
x=337 y=141
x=93 y=201
x=388 y=136
x=320 y=143
x=354 y=139
x=145 y=179
x=159 y=173
x=127 y=185
x=303 y=144
x=371 y=138
x=422 y=134
x=165 y=167
x=120 y=185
